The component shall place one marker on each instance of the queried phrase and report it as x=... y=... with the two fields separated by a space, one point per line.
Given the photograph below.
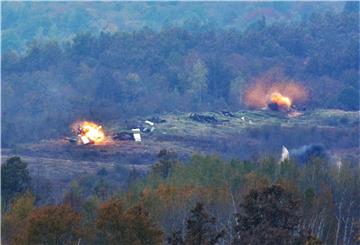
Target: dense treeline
x=204 y=201
x=118 y=75
x=22 y=22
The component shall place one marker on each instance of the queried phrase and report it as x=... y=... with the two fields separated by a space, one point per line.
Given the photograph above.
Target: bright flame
x=280 y=100
x=90 y=132
x=283 y=94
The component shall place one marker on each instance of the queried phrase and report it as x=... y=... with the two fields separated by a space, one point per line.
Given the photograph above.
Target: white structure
x=137 y=135
x=85 y=140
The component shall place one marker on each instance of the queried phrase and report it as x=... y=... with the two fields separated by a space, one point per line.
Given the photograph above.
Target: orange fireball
x=90 y=132
x=280 y=100
x=282 y=94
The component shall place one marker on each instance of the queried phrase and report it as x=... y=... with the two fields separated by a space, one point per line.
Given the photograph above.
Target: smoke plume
x=305 y=153
x=262 y=92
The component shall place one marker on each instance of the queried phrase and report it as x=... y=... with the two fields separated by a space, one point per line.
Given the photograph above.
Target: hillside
x=125 y=74
x=173 y=123
x=242 y=134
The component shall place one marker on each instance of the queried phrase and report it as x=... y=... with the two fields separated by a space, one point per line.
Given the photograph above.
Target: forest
x=126 y=74
x=24 y=22
x=205 y=200
x=120 y=63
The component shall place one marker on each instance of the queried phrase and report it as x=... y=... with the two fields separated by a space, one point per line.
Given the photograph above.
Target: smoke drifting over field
x=304 y=154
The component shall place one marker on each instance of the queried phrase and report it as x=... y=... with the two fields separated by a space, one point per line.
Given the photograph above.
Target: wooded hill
x=124 y=74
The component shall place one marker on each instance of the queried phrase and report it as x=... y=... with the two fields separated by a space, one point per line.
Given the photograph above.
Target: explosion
x=275 y=95
x=90 y=133
x=277 y=101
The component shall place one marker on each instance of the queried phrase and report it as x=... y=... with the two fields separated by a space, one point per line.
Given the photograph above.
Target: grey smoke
x=303 y=154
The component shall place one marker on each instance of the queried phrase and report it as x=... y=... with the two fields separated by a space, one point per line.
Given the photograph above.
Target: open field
x=243 y=134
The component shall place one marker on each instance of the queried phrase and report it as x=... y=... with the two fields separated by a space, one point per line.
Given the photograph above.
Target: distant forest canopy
x=22 y=22
x=124 y=74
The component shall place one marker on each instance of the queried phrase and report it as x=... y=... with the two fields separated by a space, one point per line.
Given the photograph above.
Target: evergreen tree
x=166 y=163
x=15 y=179
x=200 y=229
x=268 y=216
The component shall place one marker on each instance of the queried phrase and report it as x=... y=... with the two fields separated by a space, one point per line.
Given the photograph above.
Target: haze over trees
x=123 y=74
x=24 y=22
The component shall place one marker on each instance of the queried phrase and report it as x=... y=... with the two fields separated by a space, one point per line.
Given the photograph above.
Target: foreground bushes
x=204 y=201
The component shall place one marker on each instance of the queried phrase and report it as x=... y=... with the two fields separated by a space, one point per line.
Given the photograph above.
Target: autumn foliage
x=204 y=201
x=53 y=225
x=132 y=226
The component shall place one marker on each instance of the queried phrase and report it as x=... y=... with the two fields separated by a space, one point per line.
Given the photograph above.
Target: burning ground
x=275 y=92
x=242 y=134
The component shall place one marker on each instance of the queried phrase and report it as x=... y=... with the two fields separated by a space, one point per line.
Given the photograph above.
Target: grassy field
x=244 y=135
